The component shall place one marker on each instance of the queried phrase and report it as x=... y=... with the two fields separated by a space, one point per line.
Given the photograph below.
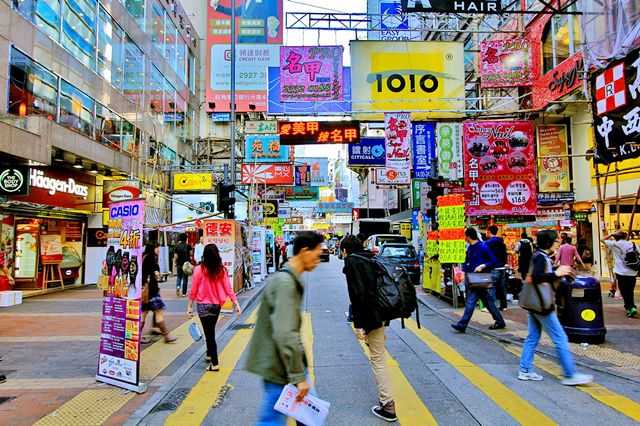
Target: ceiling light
x=94 y=169
x=58 y=157
x=78 y=164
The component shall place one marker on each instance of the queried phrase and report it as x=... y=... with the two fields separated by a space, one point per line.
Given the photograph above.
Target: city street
x=438 y=376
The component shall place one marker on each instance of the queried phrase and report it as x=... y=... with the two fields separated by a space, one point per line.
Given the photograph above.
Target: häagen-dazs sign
x=38 y=179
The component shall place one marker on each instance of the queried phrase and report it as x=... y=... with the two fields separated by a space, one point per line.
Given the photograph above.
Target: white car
x=376 y=241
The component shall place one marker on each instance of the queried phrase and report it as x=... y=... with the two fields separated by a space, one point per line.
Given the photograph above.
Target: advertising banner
x=335 y=207
x=560 y=81
x=265 y=149
x=616 y=103
x=261 y=127
x=553 y=159
x=303 y=175
x=302 y=193
x=424 y=148
x=193 y=181
x=408 y=76
x=506 y=63
x=223 y=234
x=192 y=206
x=269 y=174
x=270 y=193
x=318 y=170
x=269 y=208
x=311 y=73
x=14 y=180
x=388 y=22
x=329 y=107
x=119 y=356
x=120 y=190
x=258 y=21
x=397 y=136
x=500 y=168
x=318 y=132
x=369 y=152
x=391 y=176
x=449 y=150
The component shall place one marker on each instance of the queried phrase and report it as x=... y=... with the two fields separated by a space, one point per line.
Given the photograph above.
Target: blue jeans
x=552 y=326
x=268 y=416
x=182 y=281
x=499 y=277
x=488 y=298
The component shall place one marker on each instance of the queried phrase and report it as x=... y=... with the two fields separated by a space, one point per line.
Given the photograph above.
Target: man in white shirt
x=625 y=276
x=198 y=250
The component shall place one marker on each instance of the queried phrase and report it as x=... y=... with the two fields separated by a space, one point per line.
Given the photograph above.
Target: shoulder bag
x=537 y=298
x=479 y=280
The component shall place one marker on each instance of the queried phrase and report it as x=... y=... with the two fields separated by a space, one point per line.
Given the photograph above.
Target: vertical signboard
x=222 y=233
x=424 y=149
x=119 y=357
x=553 y=159
x=449 y=150
x=311 y=73
x=318 y=169
x=397 y=135
x=500 y=167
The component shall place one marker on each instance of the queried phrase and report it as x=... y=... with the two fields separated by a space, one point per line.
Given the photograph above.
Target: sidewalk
x=619 y=354
x=49 y=349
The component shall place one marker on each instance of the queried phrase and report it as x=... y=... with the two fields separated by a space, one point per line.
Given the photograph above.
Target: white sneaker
x=531 y=375
x=577 y=379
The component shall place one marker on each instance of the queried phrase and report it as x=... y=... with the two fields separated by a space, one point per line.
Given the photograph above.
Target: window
x=133 y=72
x=169 y=103
x=76 y=109
x=110 y=50
x=155 y=93
x=398 y=251
x=78 y=29
x=157 y=26
x=179 y=117
x=130 y=138
x=46 y=16
x=170 y=43
x=560 y=40
x=192 y=73
x=32 y=89
x=136 y=9
x=108 y=127
x=181 y=60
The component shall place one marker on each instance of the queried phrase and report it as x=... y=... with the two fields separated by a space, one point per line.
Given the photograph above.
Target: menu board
x=119 y=360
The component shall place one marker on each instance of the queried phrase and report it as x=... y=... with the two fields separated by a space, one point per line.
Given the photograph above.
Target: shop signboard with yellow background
x=193 y=181
x=426 y=78
x=553 y=158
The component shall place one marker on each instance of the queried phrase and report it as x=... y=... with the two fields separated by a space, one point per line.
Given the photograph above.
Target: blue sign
x=335 y=207
x=424 y=148
x=220 y=117
x=399 y=21
x=369 y=152
x=277 y=107
x=265 y=149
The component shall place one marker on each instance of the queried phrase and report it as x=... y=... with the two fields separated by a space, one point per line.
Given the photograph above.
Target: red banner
x=560 y=81
x=269 y=174
x=500 y=167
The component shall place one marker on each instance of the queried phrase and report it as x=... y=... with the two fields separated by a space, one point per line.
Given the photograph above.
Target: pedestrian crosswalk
x=415 y=407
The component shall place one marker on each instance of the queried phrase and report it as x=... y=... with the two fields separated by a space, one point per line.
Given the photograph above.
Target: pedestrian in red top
x=210 y=289
x=567 y=254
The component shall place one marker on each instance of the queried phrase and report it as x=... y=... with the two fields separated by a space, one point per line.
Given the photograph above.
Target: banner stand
x=140 y=388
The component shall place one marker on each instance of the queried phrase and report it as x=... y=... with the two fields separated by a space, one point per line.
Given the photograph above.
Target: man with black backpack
x=626 y=266
x=361 y=274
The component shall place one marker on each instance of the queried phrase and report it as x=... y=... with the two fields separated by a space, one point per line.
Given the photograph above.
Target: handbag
x=537 y=298
x=187 y=268
x=479 y=280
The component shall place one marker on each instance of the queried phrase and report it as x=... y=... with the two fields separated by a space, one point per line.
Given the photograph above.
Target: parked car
x=376 y=241
x=325 y=256
x=402 y=255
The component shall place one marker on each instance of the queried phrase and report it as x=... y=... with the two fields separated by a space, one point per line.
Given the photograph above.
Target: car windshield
x=391 y=239
x=398 y=251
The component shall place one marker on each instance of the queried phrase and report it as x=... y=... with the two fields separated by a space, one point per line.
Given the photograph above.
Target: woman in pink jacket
x=210 y=288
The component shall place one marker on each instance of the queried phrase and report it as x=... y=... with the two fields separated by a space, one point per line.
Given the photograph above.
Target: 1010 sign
x=397 y=83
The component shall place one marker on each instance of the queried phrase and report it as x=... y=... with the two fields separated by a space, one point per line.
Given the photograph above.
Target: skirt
x=155 y=304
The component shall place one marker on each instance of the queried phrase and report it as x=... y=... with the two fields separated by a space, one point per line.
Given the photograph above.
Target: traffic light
x=226 y=199
x=434 y=192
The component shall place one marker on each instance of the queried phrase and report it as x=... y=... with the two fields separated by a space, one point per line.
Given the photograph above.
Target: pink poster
x=505 y=63
x=500 y=168
x=398 y=136
x=311 y=73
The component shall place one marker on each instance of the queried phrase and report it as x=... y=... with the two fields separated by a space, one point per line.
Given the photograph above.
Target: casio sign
x=124 y=211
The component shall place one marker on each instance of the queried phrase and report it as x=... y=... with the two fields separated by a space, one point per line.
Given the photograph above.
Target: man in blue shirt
x=499 y=250
x=479 y=259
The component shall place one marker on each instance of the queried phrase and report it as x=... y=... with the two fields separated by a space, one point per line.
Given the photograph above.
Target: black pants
x=627 y=284
x=209 y=315
x=499 y=278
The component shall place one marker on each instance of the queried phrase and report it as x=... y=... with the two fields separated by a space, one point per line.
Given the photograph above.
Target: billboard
x=318 y=169
x=265 y=149
x=553 y=159
x=192 y=206
x=423 y=76
x=258 y=21
x=120 y=190
x=311 y=73
x=388 y=22
x=269 y=174
x=318 y=132
x=500 y=171
x=424 y=148
x=369 y=152
x=193 y=181
x=449 y=150
x=506 y=63
x=329 y=107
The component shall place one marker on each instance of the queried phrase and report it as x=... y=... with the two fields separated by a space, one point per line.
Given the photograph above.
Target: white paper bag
x=311 y=411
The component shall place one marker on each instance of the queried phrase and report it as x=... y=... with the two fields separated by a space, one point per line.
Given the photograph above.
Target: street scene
x=277 y=212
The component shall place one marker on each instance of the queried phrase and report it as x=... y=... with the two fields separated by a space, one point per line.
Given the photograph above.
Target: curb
x=519 y=342
x=143 y=411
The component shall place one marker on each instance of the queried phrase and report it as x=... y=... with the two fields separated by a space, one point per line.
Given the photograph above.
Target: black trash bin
x=580 y=310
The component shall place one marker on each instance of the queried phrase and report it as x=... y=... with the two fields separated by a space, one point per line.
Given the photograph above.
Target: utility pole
x=232 y=108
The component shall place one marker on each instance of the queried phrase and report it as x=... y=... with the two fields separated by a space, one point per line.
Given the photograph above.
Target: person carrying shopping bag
x=537 y=297
x=210 y=288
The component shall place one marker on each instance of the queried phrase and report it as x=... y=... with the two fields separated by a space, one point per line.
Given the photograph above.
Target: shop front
x=43 y=232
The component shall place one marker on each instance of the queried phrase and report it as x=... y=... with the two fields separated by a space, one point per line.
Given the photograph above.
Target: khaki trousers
x=377 y=350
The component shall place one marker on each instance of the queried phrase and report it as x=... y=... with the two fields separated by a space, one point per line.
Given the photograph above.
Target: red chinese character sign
x=269 y=174
x=224 y=234
x=318 y=132
x=398 y=136
x=616 y=99
x=311 y=73
x=505 y=63
x=500 y=170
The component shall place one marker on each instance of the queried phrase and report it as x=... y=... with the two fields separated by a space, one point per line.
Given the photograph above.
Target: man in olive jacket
x=276 y=352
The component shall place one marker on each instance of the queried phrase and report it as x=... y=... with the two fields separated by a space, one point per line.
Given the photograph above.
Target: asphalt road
x=438 y=376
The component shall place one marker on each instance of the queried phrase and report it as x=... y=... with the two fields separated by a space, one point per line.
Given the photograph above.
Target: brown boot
x=168 y=338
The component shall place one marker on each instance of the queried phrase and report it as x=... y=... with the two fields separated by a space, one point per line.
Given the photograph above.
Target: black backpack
x=632 y=259
x=395 y=294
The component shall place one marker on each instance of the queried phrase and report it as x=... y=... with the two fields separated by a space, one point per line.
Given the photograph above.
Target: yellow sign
x=405 y=230
x=553 y=159
x=426 y=77
x=192 y=181
x=321 y=226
